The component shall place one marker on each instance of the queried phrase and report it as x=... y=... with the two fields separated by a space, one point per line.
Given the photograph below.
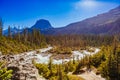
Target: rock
x=24 y=72
x=22 y=67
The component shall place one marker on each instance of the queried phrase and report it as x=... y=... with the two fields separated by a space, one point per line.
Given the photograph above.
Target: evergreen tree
x=50 y=66
x=78 y=67
x=73 y=59
x=25 y=35
x=66 y=68
x=1 y=26
x=60 y=73
x=9 y=32
x=18 y=34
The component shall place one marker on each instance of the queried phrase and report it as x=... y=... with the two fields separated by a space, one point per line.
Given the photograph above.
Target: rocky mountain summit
x=42 y=24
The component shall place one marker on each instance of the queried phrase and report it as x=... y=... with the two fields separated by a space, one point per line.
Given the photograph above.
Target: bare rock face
x=24 y=72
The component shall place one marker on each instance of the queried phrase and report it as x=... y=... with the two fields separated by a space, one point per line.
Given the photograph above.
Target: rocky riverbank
x=23 y=68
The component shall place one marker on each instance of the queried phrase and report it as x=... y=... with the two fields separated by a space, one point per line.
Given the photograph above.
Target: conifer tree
x=60 y=73
x=1 y=26
x=73 y=59
x=66 y=68
x=25 y=35
x=9 y=32
x=50 y=65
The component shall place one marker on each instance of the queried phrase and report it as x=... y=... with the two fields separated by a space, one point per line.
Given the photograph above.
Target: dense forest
x=107 y=61
x=79 y=41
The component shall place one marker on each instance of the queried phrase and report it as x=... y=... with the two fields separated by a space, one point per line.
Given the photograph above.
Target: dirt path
x=91 y=76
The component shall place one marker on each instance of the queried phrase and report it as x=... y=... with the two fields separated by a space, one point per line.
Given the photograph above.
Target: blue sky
x=59 y=12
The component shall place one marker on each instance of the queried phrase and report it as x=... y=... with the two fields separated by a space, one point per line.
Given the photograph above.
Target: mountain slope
x=107 y=23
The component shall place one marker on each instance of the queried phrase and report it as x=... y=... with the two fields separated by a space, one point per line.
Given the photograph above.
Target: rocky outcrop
x=22 y=66
x=24 y=72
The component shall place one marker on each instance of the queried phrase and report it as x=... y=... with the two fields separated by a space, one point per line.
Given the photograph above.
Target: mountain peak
x=42 y=24
x=42 y=20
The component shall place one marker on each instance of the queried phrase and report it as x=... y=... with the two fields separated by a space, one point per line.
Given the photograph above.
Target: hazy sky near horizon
x=59 y=12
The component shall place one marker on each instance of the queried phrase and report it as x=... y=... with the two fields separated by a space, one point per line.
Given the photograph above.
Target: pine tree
x=18 y=34
x=25 y=35
x=73 y=59
x=60 y=73
x=9 y=32
x=78 y=67
x=66 y=68
x=1 y=26
x=89 y=63
x=118 y=65
x=50 y=66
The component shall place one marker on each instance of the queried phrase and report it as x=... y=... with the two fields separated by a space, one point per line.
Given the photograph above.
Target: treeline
x=79 y=41
x=20 y=41
x=31 y=38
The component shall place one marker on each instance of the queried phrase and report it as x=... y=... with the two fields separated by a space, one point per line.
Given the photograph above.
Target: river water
x=40 y=58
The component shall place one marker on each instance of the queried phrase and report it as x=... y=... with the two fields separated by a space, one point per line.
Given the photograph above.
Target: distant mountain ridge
x=41 y=25
x=106 y=23
x=13 y=31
